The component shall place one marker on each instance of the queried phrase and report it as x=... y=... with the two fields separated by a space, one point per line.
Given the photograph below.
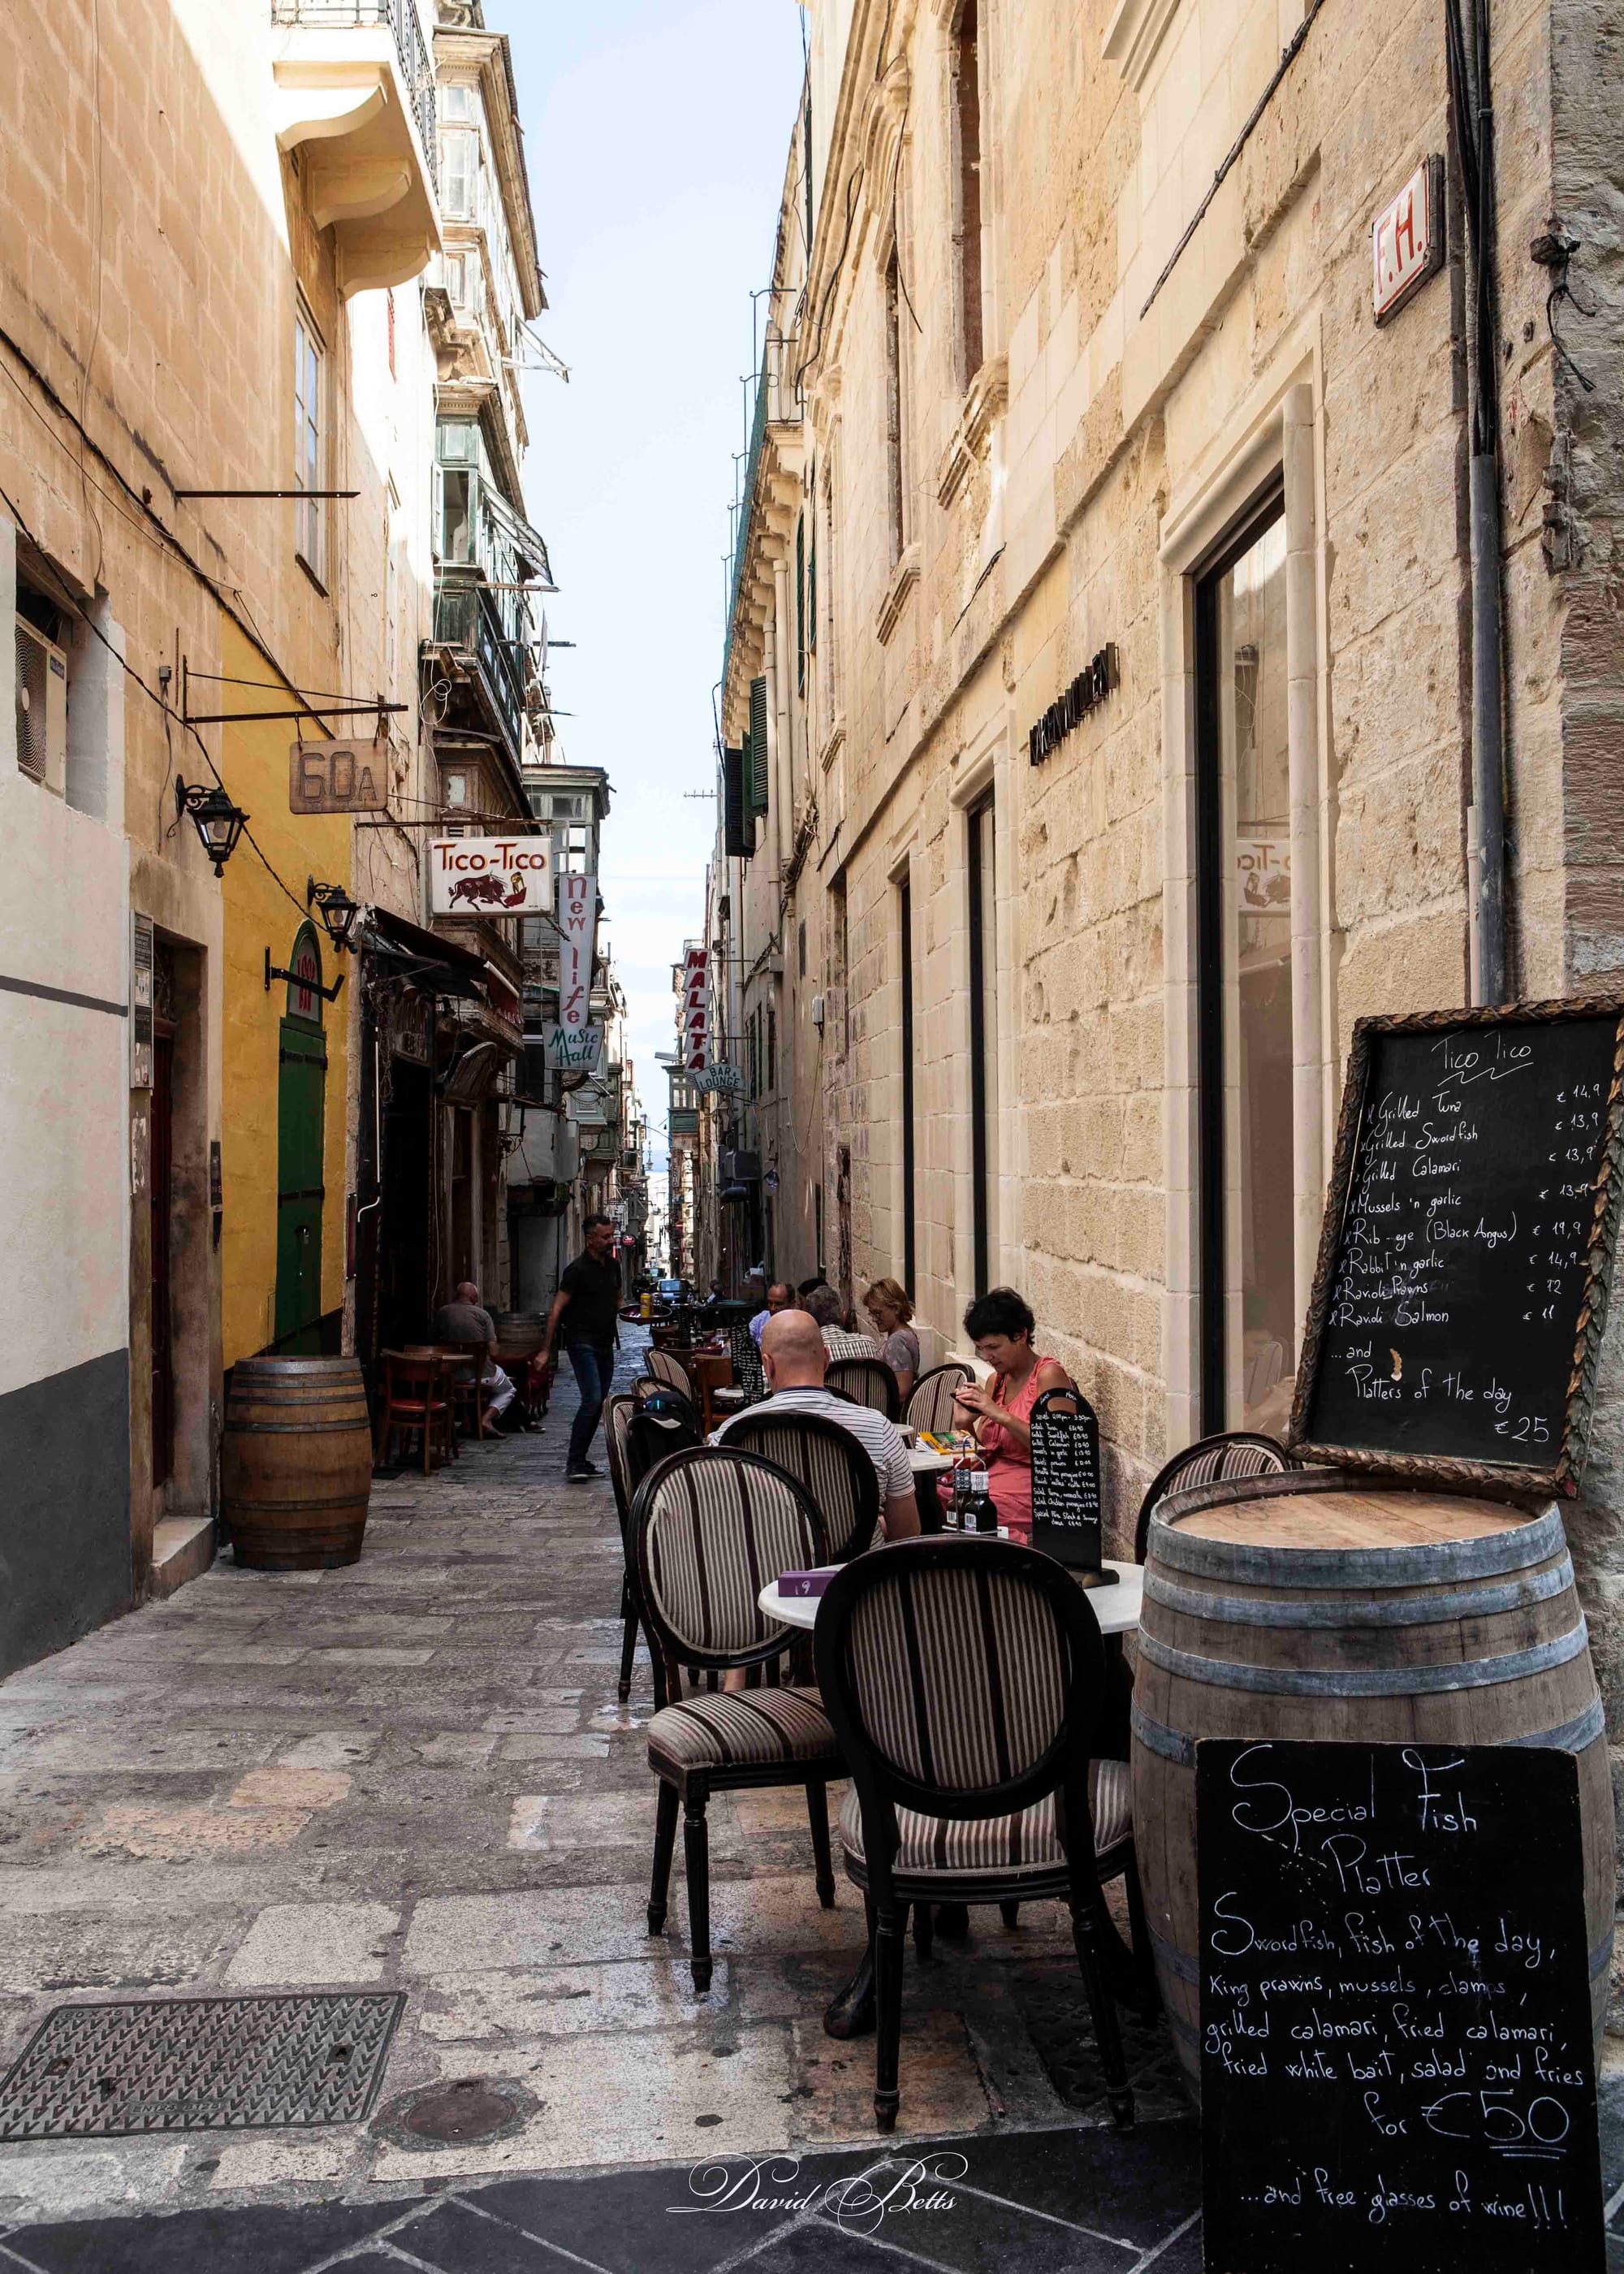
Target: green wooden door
x=300 y=1124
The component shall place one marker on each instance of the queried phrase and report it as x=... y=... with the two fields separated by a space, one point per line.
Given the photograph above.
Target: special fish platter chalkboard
x=1396 y=2062
x=1467 y=1252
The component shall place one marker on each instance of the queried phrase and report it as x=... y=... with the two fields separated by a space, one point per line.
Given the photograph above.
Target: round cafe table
x=1117 y=1608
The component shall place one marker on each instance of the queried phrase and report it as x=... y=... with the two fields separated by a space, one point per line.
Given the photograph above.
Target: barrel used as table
x=521 y=1334
x=296 y=1463
x=1317 y=1605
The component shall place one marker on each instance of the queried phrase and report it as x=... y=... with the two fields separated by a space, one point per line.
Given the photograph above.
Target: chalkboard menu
x=1468 y=1245
x=1396 y=2064
x=1066 y=1516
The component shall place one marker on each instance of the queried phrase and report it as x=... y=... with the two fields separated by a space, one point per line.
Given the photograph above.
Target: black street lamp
x=219 y=823
x=337 y=911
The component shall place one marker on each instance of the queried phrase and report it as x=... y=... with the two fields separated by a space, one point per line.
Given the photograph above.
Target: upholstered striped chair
x=866 y=1381
x=713 y=1526
x=835 y=1469
x=664 y=1367
x=930 y=1402
x=636 y=1438
x=1211 y=1461
x=964 y=1680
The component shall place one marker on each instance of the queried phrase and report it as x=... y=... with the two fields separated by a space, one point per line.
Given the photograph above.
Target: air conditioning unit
x=41 y=709
x=738 y=1168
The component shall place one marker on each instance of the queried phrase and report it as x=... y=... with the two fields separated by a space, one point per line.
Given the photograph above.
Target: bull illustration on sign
x=487 y=892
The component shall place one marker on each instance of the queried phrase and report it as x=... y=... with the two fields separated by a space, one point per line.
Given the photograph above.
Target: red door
x=160 y=1183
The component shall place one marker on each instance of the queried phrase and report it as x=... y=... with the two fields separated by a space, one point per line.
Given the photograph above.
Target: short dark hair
x=806 y=1286
x=590 y=1223
x=1000 y=1311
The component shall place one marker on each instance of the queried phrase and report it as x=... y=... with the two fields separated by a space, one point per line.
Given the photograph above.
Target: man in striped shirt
x=793 y=1359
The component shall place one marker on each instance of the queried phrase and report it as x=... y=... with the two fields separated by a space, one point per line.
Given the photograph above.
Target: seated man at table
x=466 y=1321
x=825 y=1307
x=778 y=1298
x=793 y=1359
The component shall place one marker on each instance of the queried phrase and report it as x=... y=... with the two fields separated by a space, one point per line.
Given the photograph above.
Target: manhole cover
x=199 y=2065
x=464 y=2112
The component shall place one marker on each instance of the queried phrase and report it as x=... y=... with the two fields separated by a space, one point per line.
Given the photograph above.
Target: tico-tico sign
x=1092 y=683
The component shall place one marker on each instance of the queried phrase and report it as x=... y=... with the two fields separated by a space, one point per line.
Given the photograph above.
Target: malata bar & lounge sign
x=1092 y=683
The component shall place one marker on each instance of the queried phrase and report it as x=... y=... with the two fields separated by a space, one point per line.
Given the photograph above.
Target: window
x=772 y=1052
x=983 y=1038
x=968 y=191
x=1244 y=888
x=456 y=789
x=893 y=407
x=389 y=309
x=456 y=521
x=801 y=947
x=904 y=953
x=459 y=171
x=307 y=454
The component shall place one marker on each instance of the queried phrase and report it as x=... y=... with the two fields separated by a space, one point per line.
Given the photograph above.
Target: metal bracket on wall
x=300 y=979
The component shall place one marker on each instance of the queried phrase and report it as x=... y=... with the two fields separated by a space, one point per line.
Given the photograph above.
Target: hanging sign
x=339 y=777
x=1397 y=2058
x=572 y=1049
x=489 y=875
x=577 y=924
x=721 y=1076
x=695 y=1018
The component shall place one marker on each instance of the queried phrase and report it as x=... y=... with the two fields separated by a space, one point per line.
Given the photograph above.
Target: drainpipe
x=1471 y=104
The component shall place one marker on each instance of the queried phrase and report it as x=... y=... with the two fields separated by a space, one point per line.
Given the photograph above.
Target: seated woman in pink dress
x=1000 y=1325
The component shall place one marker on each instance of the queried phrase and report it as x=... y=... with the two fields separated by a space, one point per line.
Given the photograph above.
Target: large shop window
x=1243 y=913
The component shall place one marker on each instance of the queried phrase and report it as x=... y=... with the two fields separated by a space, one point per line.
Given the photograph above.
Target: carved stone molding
x=904 y=577
x=987 y=398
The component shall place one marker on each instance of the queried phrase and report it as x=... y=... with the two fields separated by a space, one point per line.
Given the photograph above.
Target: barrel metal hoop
x=235 y=1505
x=296 y=1429
x=1157 y=1737
x=1487 y=1556
x=1173 y=1959
x=1397 y=1682
x=1404 y=1611
x=1576 y=1736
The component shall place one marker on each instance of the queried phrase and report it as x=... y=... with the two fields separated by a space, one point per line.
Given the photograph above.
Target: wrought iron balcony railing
x=411 y=51
x=465 y=616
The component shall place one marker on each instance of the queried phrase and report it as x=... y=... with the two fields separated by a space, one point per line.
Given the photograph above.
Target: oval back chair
x=930 y=1402
x=1210 y=1461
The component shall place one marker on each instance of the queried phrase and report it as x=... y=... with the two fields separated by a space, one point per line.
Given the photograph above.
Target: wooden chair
x=709 y=1523
x=964 y=1681
x=415 y=1399
x=866 y=1381
x=826 y=1460
x=930 y=1401
x=1210 y=1461
x=465 y=1365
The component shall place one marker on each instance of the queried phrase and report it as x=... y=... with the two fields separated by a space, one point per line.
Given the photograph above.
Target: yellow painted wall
x=260 y=915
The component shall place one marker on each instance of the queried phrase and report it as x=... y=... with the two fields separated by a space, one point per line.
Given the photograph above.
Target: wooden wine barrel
x=296 y=1463
x=1320 y=1605
x=521 y=1334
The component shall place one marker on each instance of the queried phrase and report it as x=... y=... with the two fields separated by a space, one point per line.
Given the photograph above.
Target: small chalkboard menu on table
x=1067 y=1517
x=1463 y=1268
x=1396 y=2064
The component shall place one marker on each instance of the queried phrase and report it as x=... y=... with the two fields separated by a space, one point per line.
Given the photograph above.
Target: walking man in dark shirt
x=587 y=1304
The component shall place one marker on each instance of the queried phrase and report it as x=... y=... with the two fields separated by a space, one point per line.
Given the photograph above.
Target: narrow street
x=415 y=1774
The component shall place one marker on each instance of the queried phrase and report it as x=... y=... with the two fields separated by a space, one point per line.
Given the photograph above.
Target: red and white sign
x=489 y=875
x=577 y=923
x=1406 y=240
x=695 y=1010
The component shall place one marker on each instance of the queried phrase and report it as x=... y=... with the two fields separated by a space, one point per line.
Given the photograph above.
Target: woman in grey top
x=887 y=1304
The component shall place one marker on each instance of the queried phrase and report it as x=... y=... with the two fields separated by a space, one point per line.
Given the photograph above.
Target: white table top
x=1117 y=1608
x=924 y=1463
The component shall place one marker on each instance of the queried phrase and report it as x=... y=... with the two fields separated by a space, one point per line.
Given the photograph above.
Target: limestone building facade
x=1111 y=716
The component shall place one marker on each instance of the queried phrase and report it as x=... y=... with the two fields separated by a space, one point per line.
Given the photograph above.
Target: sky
x=656 y=136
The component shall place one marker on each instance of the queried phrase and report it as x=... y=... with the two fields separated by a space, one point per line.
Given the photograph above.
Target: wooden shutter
x=758 y=745
x=739 y=834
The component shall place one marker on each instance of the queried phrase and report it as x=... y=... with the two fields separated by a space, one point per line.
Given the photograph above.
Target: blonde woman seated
x=887 y=1304
x=1000 y=1325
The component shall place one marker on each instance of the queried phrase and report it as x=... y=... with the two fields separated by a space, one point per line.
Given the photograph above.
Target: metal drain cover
x=199 y=2065
x=464 y=2112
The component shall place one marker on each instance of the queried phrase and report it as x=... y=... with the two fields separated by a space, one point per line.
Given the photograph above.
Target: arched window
x=304 y=999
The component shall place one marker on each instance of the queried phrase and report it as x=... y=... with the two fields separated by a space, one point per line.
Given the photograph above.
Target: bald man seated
x=793 y=1359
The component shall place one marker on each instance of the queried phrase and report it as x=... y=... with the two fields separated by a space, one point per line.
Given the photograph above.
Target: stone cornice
x=986 y=401
x=904 y=578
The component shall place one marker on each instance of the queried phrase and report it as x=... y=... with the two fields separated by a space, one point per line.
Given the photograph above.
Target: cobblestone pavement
x=414 y=1775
